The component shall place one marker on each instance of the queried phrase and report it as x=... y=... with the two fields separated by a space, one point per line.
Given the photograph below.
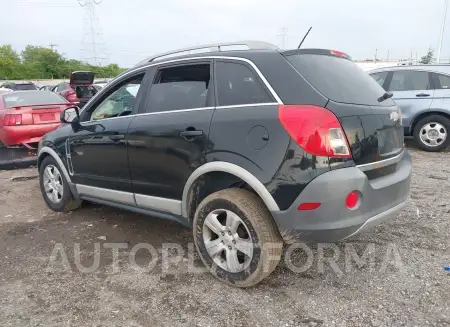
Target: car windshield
x=29 y=98
x=25 y=87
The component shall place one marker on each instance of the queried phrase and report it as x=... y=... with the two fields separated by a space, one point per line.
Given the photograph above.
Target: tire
x=436 y=124
x=254 y=231
x=62 y=202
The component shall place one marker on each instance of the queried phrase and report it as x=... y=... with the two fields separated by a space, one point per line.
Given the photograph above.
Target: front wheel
x=431 y=133
x=236 y=237
x=55 y=188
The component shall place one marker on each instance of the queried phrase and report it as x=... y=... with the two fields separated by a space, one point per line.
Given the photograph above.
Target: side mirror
x=70 y=115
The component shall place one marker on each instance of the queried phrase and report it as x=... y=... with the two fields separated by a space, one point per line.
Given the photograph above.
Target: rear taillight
x=12 y=120
x=315 y=129
x=72 y=96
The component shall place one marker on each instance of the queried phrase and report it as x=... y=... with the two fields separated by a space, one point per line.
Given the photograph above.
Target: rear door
x=412 y=91
x=168 y=139
x=441 y=100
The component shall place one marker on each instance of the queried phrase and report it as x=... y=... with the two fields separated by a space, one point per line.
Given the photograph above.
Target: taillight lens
x=12 y=120
x=72 y=96
x=315 y=129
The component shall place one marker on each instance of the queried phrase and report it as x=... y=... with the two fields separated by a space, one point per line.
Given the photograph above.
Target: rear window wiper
x=385 y=96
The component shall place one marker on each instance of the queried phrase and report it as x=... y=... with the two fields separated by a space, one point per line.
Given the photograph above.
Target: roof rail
x=250 y=45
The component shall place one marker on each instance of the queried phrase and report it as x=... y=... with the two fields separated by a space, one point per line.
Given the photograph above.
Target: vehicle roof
x=438 y=68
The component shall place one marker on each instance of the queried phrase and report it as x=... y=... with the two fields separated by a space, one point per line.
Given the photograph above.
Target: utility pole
x=376 y=54
x=283 y=35
x=442 y=32
x=387 y=58
x=93 y=48
x=52 y=45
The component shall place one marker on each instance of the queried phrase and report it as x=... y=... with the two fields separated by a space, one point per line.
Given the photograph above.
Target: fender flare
x=55 y=156
x=232 y=169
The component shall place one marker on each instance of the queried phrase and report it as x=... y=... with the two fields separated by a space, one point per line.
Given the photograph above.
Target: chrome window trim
x=382 y=163
x=136 y=70
x=186 y=110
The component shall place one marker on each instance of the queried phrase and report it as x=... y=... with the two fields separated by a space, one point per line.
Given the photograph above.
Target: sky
x=130 y=30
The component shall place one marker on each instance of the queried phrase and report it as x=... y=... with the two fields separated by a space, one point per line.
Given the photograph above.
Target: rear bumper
x=382 y=198
x=25 y=134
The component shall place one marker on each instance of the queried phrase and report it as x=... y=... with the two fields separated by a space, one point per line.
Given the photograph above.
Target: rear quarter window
x=339 y=79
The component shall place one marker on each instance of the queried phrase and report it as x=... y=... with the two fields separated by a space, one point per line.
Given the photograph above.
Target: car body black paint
x=154 y=140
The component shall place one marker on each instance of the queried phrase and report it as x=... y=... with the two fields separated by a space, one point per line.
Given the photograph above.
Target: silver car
x=423 y=94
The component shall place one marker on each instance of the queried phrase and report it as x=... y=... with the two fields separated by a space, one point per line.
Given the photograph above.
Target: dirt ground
x=406 y=286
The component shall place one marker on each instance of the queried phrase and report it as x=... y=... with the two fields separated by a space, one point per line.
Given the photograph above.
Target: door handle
x=421 y=95
x=191 y=134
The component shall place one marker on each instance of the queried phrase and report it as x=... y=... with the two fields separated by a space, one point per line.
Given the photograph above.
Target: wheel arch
x=47 y=151
x=231 y=169
x=424 y=114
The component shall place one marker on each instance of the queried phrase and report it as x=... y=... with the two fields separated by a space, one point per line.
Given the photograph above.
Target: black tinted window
x=339 y=79
x=237 y=84
x=182 y=87
x=408 y=80
x=443 y=81
x=379 y=77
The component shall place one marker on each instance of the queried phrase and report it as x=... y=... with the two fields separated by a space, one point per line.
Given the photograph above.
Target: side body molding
x=55 y=156
x=231 y=169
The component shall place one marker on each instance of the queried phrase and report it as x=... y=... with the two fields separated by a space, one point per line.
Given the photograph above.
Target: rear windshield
x=31 y=98
x=339 y=79
x=24 y=87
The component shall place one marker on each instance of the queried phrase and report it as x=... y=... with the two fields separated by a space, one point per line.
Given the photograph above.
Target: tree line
x=36 y=62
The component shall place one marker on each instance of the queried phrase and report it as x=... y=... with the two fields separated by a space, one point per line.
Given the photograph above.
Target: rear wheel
x=431 y=133
x=236 y=237
x=55 y=188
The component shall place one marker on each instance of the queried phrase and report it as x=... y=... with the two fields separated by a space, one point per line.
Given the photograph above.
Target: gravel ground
x=405 y=286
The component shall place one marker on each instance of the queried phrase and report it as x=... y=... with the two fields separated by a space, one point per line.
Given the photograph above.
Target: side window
x=119 y=101
x=408 y=80
x=379 y=77
x=237 y=84
x=181 y=87
x=444 y=81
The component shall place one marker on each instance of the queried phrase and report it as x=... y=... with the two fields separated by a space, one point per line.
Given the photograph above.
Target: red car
x=81 y=83
x=26 y=116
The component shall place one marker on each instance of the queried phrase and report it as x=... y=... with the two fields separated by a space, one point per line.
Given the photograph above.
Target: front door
x=413 y=92
x=98 y=150
x=168 y=139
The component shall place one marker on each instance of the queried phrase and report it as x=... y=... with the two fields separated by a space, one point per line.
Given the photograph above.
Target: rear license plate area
x=47 y=117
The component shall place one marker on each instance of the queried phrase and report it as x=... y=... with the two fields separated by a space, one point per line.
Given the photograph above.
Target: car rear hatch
x=81 y=82
x=371 y=124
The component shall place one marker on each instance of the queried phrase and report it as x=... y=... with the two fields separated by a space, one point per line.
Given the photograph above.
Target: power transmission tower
x=283 y=35
x=52 y=45
x=93 y=46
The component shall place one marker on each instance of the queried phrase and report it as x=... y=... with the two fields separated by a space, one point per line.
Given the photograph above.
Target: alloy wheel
x=227 y=240
x=53 y=184
x=433 y=134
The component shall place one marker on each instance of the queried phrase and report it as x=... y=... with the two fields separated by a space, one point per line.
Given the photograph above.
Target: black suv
x=248 y=147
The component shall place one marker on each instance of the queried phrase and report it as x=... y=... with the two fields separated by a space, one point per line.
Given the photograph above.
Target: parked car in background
x=3 y=90
x=19 y=86
x=26 y=116
x=249 y=148
x=423 y=94
x=47 y=87
x=79 y=89
x=100 y=84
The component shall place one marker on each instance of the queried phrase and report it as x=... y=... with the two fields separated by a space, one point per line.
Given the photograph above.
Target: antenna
x=93 y=47
x=304 y=38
